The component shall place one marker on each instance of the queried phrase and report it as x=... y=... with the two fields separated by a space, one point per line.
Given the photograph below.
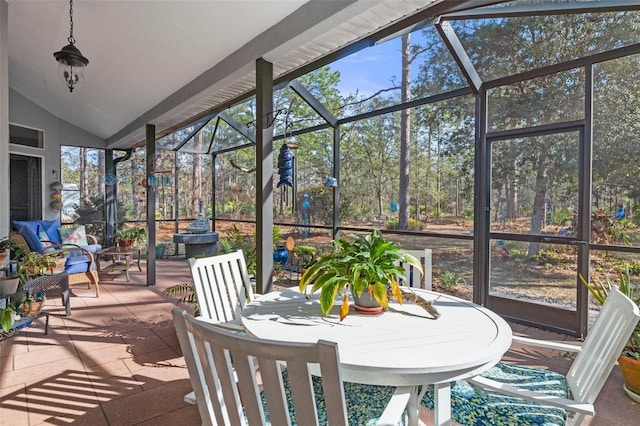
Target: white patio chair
x=511 y=394
x=228 y=390
x=412 y=276
x=222 y=288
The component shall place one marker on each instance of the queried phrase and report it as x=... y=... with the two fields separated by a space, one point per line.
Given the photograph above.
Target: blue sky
x=371 y=69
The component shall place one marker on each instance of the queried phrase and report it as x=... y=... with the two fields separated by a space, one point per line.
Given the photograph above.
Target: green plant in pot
x=629 y=360
x=34 y=264
x=7 y=243
x=368 y=266
x=8 y=315
x=127 y=237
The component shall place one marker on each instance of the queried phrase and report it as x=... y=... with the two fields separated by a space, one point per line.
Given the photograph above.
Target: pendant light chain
x=71 y=40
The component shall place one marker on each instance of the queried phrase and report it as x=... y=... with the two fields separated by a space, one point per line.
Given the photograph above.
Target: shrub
x=451 y=279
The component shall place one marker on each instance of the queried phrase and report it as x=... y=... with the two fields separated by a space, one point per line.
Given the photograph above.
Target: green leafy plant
x=135 y=234
x=187 y=294
x=34 y=264
x=8 y=243
x=8 y=316
x=600 y=290
x=360 y=263
x=305 y=255
x=14 y=307
x=450 y=279
x=236 y=240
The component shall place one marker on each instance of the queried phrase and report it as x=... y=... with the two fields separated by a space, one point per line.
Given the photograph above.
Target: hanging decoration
x=331 y=182
x=141 y=193
x=56 y=205
x=56 y=186
x=285 y=161
x=110 y=179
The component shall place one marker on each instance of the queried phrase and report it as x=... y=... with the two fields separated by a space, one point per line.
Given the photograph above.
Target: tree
x=405 y=126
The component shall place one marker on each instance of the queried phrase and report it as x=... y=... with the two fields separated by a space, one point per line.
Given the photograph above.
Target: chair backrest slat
x=412 y=276
x=222 y=285
x=213 y=355
x=602 y=346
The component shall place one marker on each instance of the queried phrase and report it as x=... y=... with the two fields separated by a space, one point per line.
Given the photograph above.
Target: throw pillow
x=30 y=229
x=76 y=235
x=47 y=246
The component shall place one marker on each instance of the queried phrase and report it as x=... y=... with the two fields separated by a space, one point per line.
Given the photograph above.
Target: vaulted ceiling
x=162 y=62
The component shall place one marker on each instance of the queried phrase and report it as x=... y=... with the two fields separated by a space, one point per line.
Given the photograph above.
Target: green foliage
x=235 y=240
x=91 y=210
x=606 y=231
x=414 y=224
x=137 y=234
x=306 y=255
x=450 y=279
x=34 y=264
x=548 y=257
x=187 y=293
x=359 y=263
x=636 y=214
x=321 y=200
x=8 y=243
x=600 y=290
x=7 y=317
x=13 y=308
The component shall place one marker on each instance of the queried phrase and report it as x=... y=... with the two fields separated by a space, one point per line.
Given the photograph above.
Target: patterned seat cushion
x=365 y=403
x=473 y=405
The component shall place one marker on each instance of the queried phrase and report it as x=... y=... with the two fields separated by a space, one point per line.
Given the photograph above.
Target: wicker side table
x=51 y=285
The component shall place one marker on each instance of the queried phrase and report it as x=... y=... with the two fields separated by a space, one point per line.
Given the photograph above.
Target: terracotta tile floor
x=116 y=361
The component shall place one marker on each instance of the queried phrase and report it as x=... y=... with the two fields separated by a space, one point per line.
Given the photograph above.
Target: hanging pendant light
x=71 y=63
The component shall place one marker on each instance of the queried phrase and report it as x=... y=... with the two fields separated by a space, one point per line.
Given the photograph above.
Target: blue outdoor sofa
x=49 y=237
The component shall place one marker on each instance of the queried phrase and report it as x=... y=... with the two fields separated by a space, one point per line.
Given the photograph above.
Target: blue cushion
x=31 y=239
x=92 y=248
x=74 y=260
x=31 y=228
x=473 y=405
x=76 y=264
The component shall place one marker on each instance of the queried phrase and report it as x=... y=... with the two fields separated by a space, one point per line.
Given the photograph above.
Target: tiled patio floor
x=116 y=361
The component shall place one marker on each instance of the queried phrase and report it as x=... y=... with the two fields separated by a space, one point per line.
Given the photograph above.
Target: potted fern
x=629 y=360
x=365 y=266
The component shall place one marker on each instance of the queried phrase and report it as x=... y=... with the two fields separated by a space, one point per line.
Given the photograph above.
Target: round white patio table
x=403 y=346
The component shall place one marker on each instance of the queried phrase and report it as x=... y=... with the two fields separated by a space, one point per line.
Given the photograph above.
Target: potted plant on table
x=127 y=237
x=367 y=266
x=629 y=360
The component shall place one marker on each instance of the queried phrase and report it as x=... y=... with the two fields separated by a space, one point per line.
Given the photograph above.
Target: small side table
x=121 y=258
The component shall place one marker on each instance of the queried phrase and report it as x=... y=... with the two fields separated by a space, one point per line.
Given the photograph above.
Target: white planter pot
x=8 y=285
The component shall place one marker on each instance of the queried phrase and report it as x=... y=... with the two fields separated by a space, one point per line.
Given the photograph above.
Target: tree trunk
x=84 y=185
x=135 y=195
x=101 y=189
x=537 y=217
x=196 y=176
x=405 y=123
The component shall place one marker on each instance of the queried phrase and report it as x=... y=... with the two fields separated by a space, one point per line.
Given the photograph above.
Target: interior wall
x=4 y=118
x=57 y=132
